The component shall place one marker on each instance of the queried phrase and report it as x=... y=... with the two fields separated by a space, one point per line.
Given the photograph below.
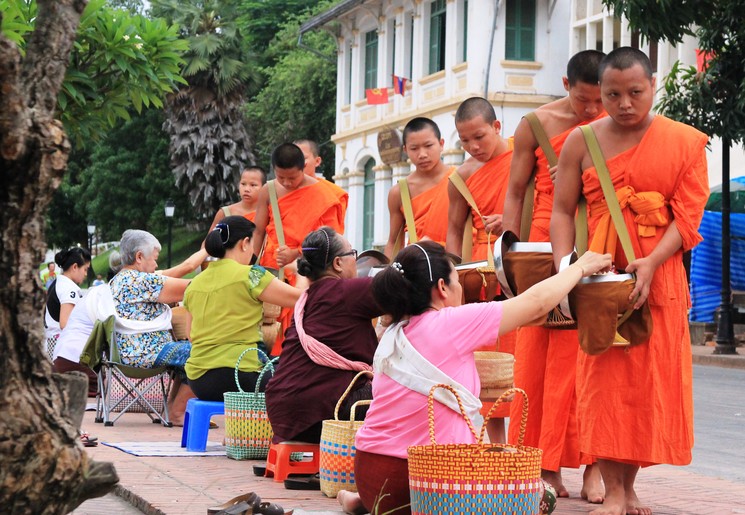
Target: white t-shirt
x=73 y=337
x=67 y=292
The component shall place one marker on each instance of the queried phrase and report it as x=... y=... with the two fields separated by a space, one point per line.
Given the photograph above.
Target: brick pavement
x=189 y=485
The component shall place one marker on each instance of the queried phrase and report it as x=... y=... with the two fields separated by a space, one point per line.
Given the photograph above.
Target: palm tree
x=209 y=144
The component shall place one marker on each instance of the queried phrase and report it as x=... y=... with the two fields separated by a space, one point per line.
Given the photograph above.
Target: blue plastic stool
x=197 y=423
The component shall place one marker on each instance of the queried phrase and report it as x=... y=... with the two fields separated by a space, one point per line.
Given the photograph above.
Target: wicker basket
x=475 y=478
x=336 y=469
x=495 y=369
x=248 y=432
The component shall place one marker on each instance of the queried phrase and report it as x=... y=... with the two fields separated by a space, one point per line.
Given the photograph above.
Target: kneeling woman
x=331 y=339
x=432 y=341
x=225 y=304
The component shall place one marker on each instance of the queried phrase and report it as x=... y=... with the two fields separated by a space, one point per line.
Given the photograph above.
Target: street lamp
x=170 y=209
x=91 y=232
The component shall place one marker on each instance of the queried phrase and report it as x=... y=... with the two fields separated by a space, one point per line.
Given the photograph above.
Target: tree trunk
x=44 y=467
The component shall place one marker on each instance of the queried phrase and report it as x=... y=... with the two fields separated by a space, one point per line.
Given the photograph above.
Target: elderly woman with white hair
x=142 y=295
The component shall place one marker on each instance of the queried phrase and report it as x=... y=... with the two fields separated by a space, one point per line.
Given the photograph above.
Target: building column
x=453 y=156
x=355 y=211
x=382 y=217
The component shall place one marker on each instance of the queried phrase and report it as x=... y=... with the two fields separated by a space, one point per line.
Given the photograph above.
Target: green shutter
x=465 y=30
x=520 y=30
x=437 y=36
x=371 y=59
x=368 y=224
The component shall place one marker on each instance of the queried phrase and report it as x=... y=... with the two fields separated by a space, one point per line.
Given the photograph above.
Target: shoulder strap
x=462 y=188
x=608 y=191
x=403 y=187
x=226 y=210
x=277 y=219
x=540 y=136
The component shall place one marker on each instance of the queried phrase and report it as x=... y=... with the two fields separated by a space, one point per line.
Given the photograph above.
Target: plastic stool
x=197 y=423
x=279 y=465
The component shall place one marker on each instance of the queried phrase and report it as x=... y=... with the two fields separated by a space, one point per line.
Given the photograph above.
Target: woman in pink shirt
x=431 y=340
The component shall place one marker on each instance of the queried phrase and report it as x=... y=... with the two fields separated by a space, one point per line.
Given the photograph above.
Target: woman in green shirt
x=225 y=303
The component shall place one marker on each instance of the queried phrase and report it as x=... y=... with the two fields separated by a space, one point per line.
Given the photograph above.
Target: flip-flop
x=87 y=441
x=303 y=482
x=259 y=470
x=250 y=498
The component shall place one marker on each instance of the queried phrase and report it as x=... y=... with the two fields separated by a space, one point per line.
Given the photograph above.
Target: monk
x=253 y=177
x=312 y=161
x=305 y=204
x=636 y=404
x=427 y=185
x=545 y=359
x=485 y=173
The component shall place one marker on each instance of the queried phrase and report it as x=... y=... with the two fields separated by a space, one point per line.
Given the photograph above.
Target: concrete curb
x=718 y=360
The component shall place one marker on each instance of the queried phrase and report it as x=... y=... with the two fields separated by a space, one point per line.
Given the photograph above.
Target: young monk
x=252 y=179
x=312 y=162
x=485 y=174
x=427 y=185
x=545 y=359
x=305 y=204
x=636 y=403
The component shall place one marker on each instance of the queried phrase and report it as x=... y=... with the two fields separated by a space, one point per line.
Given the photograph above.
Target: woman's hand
x=591 y=263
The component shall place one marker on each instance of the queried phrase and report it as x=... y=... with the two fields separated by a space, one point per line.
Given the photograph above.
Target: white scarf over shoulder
x=397 y=358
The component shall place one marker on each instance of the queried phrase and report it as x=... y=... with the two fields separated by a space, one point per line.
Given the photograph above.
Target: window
x=368 y=220
x=437 y=36
x=464 y=57
x=520 y=30
x=410 y=50
x=371 y=59
x=348 y=92
x=392 y=60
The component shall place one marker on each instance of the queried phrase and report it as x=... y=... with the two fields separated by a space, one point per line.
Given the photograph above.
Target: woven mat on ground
x=165 y=449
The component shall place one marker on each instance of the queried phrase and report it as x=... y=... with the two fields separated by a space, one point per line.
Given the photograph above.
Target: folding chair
x=123 y=388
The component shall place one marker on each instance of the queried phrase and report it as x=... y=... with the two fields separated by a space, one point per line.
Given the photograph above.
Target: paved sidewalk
x=189 y=485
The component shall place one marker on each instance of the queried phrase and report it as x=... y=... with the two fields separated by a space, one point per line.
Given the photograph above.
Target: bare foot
x=593 y=490
x=611 y=506
x=633 y=505
x=555 y=479
x=350 y=502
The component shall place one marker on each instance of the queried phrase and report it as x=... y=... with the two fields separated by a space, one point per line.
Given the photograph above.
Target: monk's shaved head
x=288 y=155
x=312 y=146
x=583 y=67
x=473 y=107
x=624 y=58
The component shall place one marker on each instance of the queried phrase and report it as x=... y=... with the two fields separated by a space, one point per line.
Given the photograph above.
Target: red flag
x=702 y=59
x=376 y=96
x=399 y=85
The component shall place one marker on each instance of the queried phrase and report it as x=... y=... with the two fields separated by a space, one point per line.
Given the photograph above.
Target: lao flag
x=399 y=85
x=376 y=96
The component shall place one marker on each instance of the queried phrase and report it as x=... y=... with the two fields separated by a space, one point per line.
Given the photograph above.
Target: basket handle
x=431 y=412
x=349 y=389
x=365 y=402
x=523 y=419
x=268 y=366
x=237 y=363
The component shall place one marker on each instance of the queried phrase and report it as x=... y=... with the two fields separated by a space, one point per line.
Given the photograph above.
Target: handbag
x=475 y=478
x=248 y=432
x=600 y=303
x=337 y=449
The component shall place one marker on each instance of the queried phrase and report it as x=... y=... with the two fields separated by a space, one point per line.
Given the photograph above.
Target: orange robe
x=430 y=209
x=302 y=211
x=546 y=359
x=251 y=216
x=636 y=404
x=343 y=198
x=488 y=186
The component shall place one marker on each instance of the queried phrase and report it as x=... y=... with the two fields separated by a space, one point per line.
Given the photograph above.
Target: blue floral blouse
x=136 y=298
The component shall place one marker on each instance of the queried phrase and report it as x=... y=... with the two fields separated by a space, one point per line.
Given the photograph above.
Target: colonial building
x=513 y=52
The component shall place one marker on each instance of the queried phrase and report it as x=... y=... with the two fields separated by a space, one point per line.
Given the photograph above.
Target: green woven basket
x=248 y=432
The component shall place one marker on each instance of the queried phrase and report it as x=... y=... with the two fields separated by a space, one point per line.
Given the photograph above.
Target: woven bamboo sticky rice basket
x=475 y=478
x=495 y=368
x=248 y=432
x=336 y=468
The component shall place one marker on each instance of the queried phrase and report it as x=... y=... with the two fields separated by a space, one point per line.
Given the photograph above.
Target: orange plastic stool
x=278 y=462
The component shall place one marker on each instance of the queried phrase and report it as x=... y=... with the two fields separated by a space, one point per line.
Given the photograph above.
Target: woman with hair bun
x=225 y=311
x=64 y=292
x=330 y=340
x=432 y=340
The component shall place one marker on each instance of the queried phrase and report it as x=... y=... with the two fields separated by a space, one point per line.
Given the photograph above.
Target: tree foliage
x=209 y=144
x=713 y=100
x=118 y=60
x=299 y=96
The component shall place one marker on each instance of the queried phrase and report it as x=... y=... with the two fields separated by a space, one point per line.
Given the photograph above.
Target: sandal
x=87 y=441
x=303 y=482
x=251 y=499
x=270 y=508
x=241 y=508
